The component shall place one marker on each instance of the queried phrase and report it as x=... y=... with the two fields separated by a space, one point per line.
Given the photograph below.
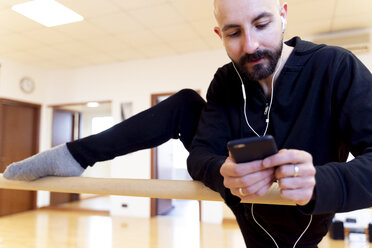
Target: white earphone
x=284 y=24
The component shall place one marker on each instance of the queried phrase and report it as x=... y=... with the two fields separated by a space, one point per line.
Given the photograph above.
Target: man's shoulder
x=225 y=83
x=303 y=47
x=225 y=70
x=308 y=52
x=225 y=75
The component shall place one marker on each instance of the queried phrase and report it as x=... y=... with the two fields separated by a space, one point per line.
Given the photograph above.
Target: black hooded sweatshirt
x=322 y=104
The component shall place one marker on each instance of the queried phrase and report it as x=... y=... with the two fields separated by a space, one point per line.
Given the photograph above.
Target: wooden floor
x=46 y=228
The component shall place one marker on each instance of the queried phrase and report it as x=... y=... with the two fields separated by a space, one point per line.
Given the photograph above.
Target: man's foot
x=57 y=161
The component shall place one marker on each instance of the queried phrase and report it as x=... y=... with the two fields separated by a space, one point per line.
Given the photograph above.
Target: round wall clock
x=27 y=84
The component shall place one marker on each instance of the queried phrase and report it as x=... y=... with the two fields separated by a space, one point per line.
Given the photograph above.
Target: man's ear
x=284 y=12
x=218 y=32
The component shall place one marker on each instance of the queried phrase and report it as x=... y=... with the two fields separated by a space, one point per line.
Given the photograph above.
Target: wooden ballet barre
x=153 y=188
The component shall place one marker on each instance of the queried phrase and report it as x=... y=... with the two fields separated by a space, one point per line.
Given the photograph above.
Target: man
x=245 y=34
x=315 y=101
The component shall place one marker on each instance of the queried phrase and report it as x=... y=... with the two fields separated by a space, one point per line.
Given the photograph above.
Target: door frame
x=64 y=107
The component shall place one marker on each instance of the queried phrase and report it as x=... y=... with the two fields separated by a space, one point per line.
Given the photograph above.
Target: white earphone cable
x=299 y=238
x=302 y=234
x=271 y=99
x=254 y=218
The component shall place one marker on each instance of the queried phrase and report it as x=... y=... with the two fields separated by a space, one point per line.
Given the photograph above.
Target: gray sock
x=57 y=161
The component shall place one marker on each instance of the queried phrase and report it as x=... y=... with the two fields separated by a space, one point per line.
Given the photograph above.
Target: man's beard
x=260 y=71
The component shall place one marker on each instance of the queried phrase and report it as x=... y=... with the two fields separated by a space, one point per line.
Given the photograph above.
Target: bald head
x=215 y=2
x=218 y=4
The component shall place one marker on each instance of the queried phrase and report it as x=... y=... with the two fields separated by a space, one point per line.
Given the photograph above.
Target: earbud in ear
x=283 y=24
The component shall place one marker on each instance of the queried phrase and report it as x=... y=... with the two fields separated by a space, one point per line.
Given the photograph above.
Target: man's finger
x=294 y=170
x=287 y=157
x=238 y=170
x=299 y=196
x=296 y=182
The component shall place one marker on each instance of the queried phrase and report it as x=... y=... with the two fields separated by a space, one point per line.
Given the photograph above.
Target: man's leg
x=175 y=117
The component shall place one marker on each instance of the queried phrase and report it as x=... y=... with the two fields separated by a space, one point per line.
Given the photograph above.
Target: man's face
x=251 y=31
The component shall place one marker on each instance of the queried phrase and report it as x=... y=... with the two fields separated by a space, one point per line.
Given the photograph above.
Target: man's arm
x=342 y=186
x=221 y=122
x=209 y=150
x=209 y=147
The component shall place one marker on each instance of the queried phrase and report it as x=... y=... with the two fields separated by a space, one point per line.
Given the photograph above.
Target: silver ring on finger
x=296 y=171
x=241 y=192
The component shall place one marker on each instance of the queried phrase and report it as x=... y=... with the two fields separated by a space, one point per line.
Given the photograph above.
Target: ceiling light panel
x=49 y=13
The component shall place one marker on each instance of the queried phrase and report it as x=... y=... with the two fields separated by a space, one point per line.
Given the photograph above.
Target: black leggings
x=175 y=117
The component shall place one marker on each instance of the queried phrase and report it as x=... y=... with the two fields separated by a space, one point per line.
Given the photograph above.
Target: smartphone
x=250 y=149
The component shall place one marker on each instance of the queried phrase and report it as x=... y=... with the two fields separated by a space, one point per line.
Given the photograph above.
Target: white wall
x=135 y=81
x=11 y=73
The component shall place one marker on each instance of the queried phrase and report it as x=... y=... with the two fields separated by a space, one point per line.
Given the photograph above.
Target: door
x=19 y=139
x=65 y=128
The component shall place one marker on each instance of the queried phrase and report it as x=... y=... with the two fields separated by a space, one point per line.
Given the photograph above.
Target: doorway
x=168 y=161
x=65 y=128
x=74 y=121
x=19 y=139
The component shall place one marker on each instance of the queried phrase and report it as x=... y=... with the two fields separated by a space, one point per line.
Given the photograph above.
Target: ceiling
x=123 y=30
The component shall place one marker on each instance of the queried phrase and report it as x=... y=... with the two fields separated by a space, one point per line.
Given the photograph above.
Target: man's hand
x=295 y=173
x=247 y=180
